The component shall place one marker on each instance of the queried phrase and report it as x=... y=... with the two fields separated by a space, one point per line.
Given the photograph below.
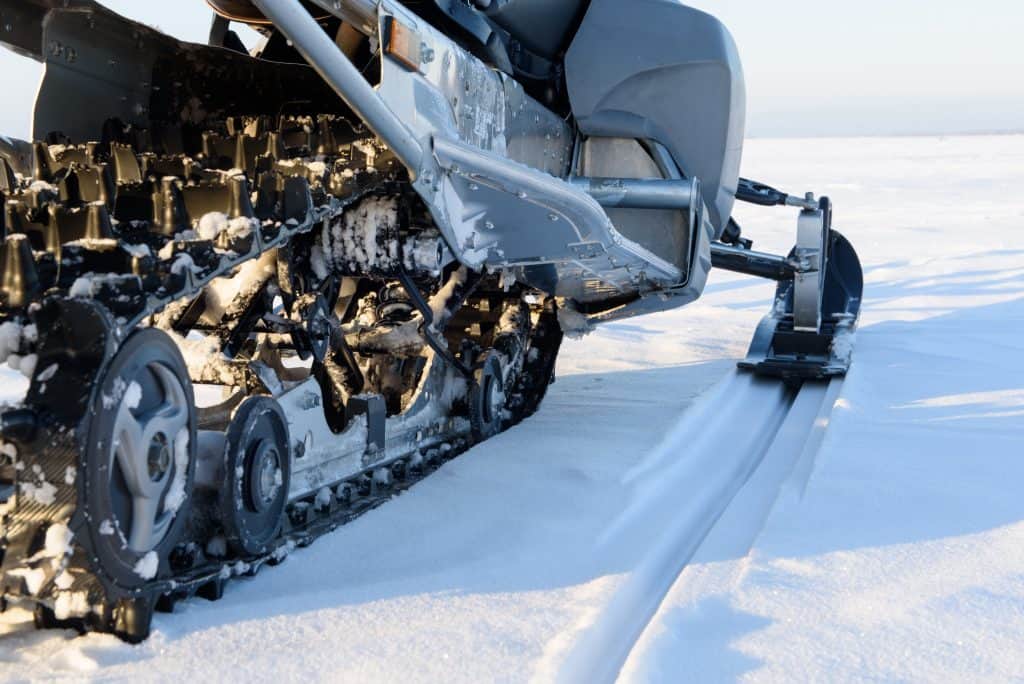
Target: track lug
x=382 y=477
x=344 y=493
x=322 y=505
x=365 y=486
x=212 y=590
x=133 y=619
x=183 y=557
x=398 y=471
x=298 y=514
x=165 y=603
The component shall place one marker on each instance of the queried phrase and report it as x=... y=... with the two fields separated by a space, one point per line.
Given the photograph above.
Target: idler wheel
x=257 y=474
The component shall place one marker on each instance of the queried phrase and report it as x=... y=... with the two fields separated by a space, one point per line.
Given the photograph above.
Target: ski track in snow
x=741 y=476
x=895 y=552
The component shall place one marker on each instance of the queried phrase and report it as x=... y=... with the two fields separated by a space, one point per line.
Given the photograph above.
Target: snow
x=133 y=395
x=573 y=323
x=184 y=263
x=217 y=547
x=139 y=251
x=176 y=494
x=214 y=223
x=96 y=244
x=58 y=541
x=423 y=252
x=90 y=284
x=894 y=553
x=9 y=450
x=353 y=241
x=147 y=566
x=118 y=390
x=323 y=498
x=901 y=557
x=43 y=186
x=440 y=301
x=204 y=358
x=34 y=578
x=63 y=580
x=26 y=364
x=34 y=487
x=10 y=339
x=249 y=277
x=48 y=372
x=70 y=604
x=211 y=225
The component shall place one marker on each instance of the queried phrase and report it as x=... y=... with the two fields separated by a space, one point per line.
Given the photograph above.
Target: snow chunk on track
x=147 y=566
x=211 y=225
x=355 y=242
x=573 y=323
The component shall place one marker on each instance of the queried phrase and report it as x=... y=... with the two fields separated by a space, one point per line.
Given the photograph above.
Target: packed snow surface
x=897 y=553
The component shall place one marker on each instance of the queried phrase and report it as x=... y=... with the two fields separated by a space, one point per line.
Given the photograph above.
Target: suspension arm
x=749 y=262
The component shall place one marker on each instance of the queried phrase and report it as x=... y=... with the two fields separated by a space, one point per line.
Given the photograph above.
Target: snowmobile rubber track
x=85 y=269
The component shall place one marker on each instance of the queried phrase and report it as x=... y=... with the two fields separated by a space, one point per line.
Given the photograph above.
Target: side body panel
x=659 y=70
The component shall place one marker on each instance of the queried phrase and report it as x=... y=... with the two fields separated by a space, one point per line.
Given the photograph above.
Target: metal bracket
x=807 y=334
x=810 y=257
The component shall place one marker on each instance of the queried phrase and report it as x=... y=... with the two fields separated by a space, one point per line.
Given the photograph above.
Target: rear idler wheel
x=138 y=471
x=487 y=398
x=257 y=475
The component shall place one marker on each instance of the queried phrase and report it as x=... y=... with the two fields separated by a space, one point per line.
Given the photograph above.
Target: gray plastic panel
x=543 y=26
x=658 y=70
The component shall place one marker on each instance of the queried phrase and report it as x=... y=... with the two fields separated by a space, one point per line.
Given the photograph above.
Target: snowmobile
x=257 y=292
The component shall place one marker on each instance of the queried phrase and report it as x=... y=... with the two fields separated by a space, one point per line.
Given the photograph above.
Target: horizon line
x=976 y=133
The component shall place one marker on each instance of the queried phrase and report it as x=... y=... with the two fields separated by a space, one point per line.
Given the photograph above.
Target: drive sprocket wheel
x=487 y=398
x=257 y=475
x=140 y=460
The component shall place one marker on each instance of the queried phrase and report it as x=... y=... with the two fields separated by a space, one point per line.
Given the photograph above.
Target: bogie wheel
x=140 y=461
x=487 y=398
x=257 y=475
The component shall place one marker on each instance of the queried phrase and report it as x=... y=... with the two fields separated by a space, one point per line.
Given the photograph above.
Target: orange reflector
x=402 y=43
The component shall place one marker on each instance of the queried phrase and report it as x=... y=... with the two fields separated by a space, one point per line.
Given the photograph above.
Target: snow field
x=895 y=553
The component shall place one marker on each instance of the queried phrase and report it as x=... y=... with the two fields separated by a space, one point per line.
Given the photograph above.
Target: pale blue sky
x=825 y=67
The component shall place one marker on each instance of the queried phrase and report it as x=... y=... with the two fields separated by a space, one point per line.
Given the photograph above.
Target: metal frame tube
x=337 y=70
x=361 y=14
x=639 y=193
x=753 y=263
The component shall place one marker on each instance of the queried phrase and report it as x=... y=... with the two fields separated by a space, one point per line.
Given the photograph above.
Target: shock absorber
x=394 y=305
